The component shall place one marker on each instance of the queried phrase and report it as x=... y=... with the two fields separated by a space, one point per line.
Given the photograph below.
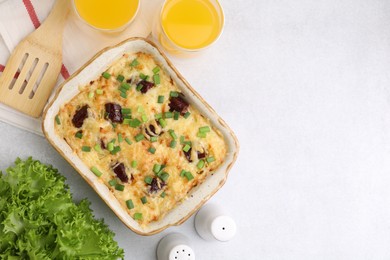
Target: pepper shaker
x=175 y=246
x=212 y=223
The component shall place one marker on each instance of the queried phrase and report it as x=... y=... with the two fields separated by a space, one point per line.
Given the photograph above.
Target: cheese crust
x=137 y=132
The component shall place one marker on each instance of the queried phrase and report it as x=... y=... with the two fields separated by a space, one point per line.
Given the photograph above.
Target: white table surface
x=305 y=86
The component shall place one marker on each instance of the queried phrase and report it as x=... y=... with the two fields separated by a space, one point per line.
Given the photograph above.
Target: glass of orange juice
x=185 y=27
x=109 y=16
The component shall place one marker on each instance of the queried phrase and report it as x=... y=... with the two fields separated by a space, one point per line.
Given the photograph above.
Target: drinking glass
x=186 y=27
x=106 y=16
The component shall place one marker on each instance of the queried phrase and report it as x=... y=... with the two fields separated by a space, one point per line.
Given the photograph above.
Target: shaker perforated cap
x=212 y=223
x=223 y=228
x=181 y=252
x=175 y=246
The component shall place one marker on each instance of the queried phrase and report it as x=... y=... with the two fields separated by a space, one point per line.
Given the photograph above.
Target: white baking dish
x=93 y=69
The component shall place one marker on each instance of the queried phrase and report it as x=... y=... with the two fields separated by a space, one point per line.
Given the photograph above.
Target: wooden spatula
x=33 y=67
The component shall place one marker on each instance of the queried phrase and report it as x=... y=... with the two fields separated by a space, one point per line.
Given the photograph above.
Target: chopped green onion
x=116 y=150
x=172 y=144
x=126 y=111
x=174 y=94
x=135 y=123
x=160 y=99
x=112 y=182
x=156 y=79
x=99 y=91
x=127 y=121
x=162 y=122
x=186 y=148
x=119 y=187
x=189 y=176
x=164 y=176
x=140 y=109
x=144 y=118
x=156 y=70
x=163 y=194
x=204 y=129
x=129 y=204
x=114 y=125
x=127 y=116
x=137 y=216
x=158 y=116
x=128 y=140
x=113 y=140
x=79 y=135
x=152 y=150
x=139 y=137
x=210 y=159
x=144 y=200
x=91 y=95
x=120 y=138
x=176 y=115
x=86 y=148
x=125 y=86
x=187 y=143
x=186 y=115
x=182 y=173
x=200 y=164
x=134 y=164
x=148 y=179
x=106 y=75
x=201 y=135
x=124 y=95
x=134 y=63
x=172 y=133
x=182 y=139
x=58 y=121
x=156 y=168
x=120 y=78
x=139 y=87
x=96 y=171
x=143 y=76
x=98 y=148
x=110 y=146
x=153 y=139
x=122 y=89
x=168 y=114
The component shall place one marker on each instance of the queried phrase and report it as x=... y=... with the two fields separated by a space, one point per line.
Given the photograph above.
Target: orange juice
x=192 y=24
x=108 y=15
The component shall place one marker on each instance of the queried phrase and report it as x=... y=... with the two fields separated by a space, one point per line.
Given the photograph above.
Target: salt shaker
x=175 y=246
x=212 y=223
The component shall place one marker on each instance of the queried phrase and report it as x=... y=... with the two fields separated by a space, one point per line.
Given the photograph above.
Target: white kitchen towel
x=18 y=18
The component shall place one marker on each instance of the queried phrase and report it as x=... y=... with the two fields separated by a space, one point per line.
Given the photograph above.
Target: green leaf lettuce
x=39 y=220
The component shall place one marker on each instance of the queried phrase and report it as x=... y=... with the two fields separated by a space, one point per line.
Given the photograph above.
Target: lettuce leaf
x=39 y=220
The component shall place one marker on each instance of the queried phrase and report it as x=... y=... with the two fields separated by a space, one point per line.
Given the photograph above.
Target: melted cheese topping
x=138 y=159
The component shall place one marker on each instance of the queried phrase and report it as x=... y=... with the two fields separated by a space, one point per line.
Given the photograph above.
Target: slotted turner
x=33 y=67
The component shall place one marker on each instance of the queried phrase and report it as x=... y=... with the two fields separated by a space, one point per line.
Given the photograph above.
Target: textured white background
x=305 y=86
